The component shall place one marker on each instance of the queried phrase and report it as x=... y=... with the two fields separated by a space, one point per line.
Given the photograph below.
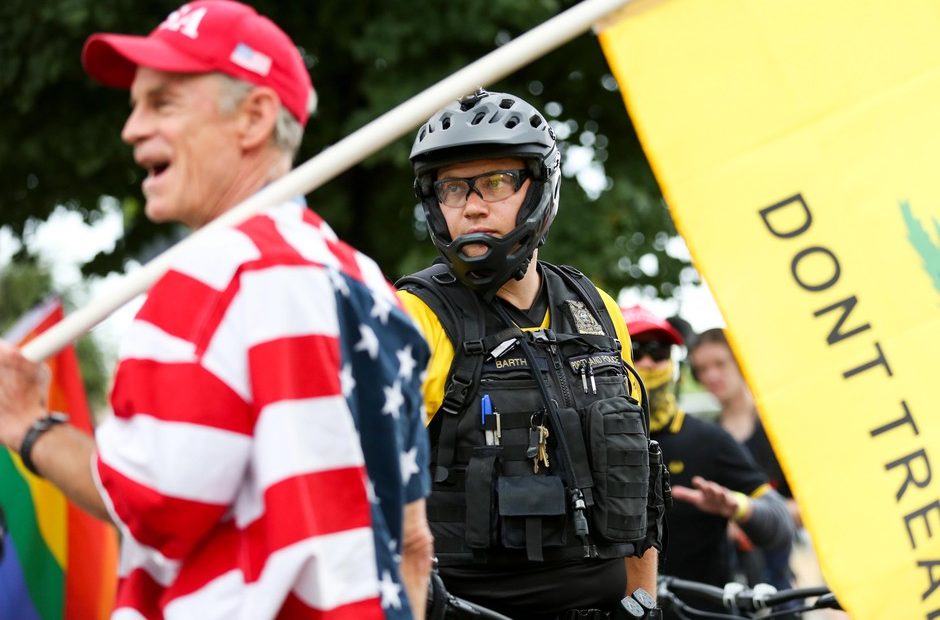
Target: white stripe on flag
x=163 y=456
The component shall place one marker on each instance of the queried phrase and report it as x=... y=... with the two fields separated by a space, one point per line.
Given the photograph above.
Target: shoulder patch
x=584 y=321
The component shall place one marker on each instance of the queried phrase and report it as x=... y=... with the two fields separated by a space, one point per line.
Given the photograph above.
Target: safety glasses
x=490 y=186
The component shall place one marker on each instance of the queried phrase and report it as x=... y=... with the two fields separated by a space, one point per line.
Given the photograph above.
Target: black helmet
x=488 y=125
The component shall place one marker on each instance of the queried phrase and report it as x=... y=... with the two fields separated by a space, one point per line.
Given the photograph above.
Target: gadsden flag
x=798 y=146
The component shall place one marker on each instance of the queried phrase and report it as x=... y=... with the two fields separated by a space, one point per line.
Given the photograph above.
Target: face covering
x=661 y=389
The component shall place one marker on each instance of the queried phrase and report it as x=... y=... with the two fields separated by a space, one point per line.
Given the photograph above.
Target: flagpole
x=338 y=158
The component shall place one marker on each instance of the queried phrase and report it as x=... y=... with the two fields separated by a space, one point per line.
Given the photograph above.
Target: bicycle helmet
x=487 y=125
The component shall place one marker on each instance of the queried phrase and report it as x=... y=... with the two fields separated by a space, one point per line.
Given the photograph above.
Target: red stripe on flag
x=139 y=589
x=273 y=367
x=220 y=553
x=306 y=506
x=347 y=258
x=184 y=392
x=295 y=609
x=297 y=509
x=269 y=241
x=196 y=310
x=171 y=525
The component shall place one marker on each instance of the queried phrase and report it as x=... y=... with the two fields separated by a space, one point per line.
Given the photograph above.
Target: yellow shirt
x=442 y=351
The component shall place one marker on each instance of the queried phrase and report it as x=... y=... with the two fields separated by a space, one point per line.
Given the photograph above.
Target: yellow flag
x=798 y=146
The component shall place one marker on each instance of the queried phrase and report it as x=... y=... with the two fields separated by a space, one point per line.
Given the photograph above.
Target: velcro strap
x=615 y=488
x=446 y=513
x=533 y=539
x=509 y=453
x=616 y=458
x=616 y=425
x=480 y=498
x=625 y=522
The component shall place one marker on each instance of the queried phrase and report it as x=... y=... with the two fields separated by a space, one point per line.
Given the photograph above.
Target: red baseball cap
x=640 y=320
x=203 y=37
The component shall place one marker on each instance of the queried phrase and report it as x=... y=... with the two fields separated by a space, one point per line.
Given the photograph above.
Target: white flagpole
x=338 y=158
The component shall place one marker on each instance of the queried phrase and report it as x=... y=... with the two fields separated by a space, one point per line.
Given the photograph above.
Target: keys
x=532 y=448
x=541 y=454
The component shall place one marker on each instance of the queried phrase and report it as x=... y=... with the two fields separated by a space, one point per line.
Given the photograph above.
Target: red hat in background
x=640 y=320
x=203 y=37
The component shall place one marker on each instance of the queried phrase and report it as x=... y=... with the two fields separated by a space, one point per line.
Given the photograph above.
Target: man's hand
x=416 y=556
x=23 y=389
x=712 y=498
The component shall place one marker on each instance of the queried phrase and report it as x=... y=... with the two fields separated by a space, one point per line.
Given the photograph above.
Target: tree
x=62 y=143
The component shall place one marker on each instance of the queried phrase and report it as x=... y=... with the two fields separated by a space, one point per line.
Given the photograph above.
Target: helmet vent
x=478 y=118
x=507 y=103
x=495 y=118
x=445 y=122
x=512 y=121
x=424 y=132
x=535 y=120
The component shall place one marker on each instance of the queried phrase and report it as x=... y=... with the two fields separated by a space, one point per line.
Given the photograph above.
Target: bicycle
x=739 y=600
x=442 y=605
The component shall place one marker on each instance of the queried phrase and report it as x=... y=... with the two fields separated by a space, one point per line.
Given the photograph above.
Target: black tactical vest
x=494 y=500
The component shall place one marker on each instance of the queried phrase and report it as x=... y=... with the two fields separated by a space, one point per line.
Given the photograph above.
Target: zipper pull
x=591 y=372
x=584 y=378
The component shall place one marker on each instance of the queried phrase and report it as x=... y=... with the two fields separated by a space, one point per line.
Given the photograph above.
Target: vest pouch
x=532 y=513
x=619 y=457
x=574 y=439
x=480 y=494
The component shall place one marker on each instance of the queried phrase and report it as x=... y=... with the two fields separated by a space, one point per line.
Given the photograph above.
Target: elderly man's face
x=189 y=148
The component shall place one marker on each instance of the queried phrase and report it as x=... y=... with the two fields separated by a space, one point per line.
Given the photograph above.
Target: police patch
x=584 y=321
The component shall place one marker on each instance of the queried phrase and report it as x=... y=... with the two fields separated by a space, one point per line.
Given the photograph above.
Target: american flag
x=268 y=429
x=251 y=59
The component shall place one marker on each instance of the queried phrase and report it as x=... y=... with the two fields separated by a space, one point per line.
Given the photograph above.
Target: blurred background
x=70 y=201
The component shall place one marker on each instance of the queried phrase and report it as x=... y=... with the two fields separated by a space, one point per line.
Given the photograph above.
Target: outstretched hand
x=24 y=386
x=708 y=497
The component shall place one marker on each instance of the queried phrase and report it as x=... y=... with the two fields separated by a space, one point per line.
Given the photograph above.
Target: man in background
x=714 y=366
x=714 y=482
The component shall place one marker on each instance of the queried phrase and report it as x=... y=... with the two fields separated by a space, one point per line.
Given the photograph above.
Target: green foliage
x=62 y=142
x=26 y=284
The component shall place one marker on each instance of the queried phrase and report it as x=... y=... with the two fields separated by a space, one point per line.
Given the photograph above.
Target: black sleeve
x=759 y=447
x=734 y=467
x=770 y=525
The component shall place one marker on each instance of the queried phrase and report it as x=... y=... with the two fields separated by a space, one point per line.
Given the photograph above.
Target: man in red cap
x=714 y=480
x=267 y=456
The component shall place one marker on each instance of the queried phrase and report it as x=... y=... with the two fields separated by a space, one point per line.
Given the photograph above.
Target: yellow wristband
x=743 y=503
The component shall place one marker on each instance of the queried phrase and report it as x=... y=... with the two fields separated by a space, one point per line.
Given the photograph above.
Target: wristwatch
x=39 y=427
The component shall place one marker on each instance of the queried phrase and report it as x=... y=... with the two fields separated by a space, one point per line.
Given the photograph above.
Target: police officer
x=541 y=478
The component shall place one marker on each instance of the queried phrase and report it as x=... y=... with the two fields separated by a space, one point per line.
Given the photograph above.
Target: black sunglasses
x=656 y=350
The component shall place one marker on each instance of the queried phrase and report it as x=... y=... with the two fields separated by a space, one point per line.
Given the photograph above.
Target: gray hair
x=288 y=131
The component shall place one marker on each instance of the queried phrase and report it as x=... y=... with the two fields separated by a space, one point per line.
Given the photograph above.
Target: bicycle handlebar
x=739 y=599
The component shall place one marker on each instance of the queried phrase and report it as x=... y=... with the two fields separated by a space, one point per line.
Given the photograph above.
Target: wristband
x=743 y=503
x=39 y=427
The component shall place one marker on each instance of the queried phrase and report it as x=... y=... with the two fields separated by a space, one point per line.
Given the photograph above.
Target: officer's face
x=496 y=218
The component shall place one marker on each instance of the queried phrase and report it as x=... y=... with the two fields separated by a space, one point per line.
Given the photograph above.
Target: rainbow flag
x=58 y=562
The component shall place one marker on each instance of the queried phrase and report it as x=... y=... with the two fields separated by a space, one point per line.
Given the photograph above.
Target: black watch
x=39 y=427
